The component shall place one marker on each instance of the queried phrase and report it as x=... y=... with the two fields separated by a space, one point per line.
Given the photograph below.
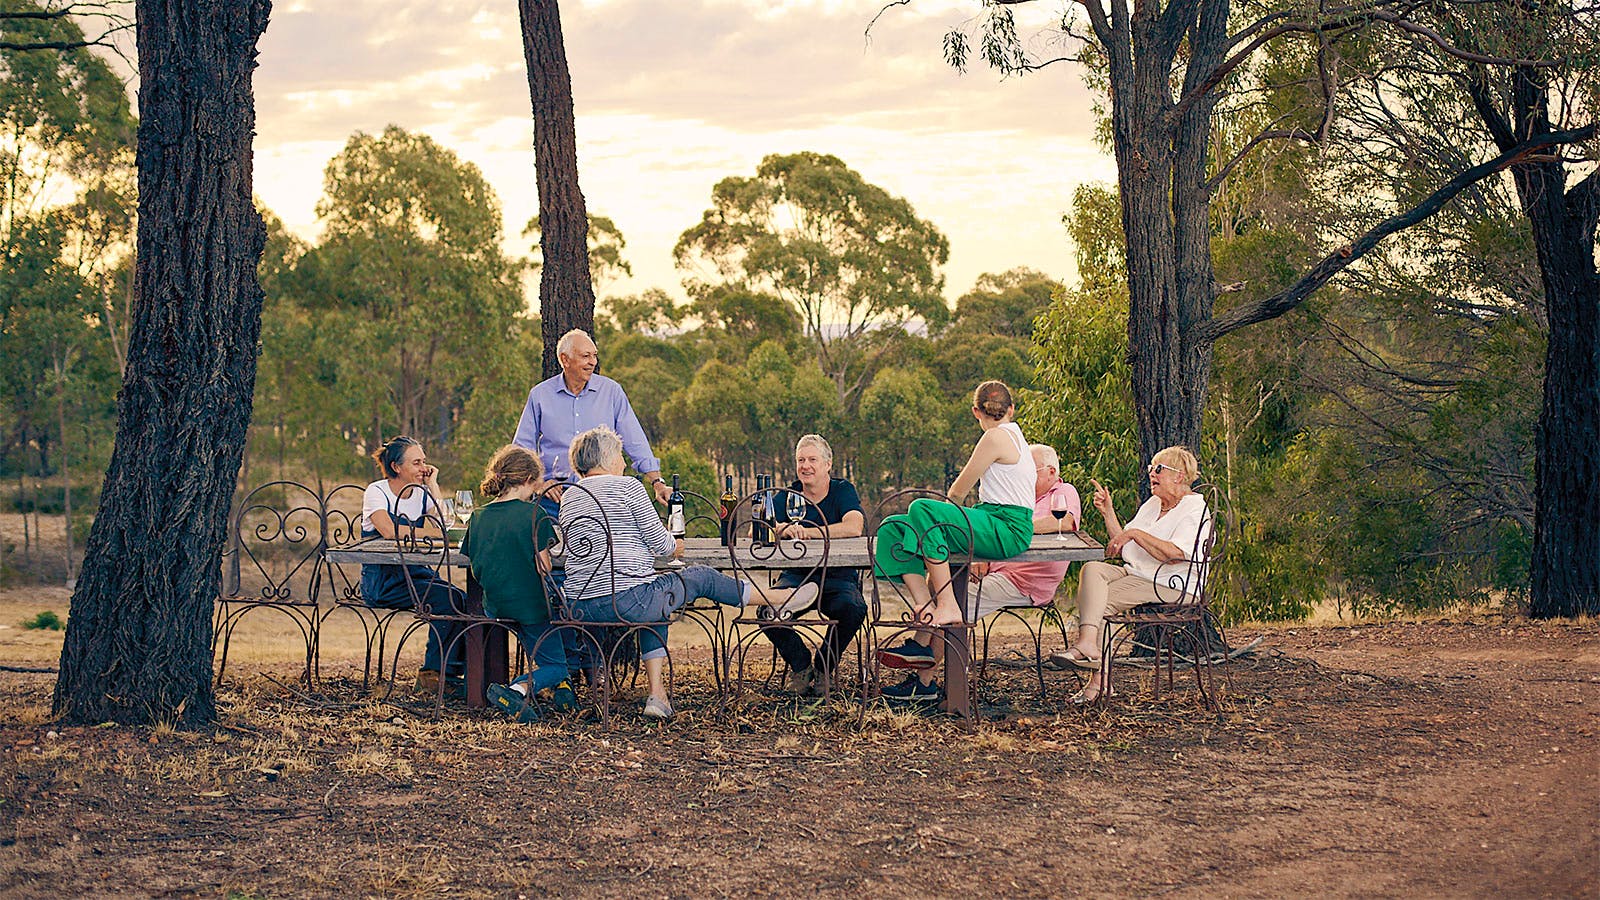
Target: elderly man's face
x=1044 y=475
x=578 y=363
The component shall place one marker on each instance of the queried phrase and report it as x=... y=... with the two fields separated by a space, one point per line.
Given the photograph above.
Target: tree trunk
x=566 y=295
x=1566 y=533
x=1161 y=179
x=66 y=474
x=138 y=644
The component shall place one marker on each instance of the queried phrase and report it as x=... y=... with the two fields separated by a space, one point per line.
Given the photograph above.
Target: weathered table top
x=846 y=553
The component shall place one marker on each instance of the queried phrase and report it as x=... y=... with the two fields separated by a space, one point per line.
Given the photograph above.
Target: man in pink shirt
x=1005 y=584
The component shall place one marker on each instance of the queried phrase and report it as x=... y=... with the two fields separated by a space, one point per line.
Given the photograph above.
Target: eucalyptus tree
x=66 y=138
x=409 y=283
x=849 y=256
x=138 y=643
x=566 y=291
x=1169 y=71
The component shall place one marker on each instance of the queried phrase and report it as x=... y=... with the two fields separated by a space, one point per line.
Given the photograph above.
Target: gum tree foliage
x=1440 y=367
x=138 y=643
x=848 y=256
x=66 y=137
x=1175 y=74
x=746 y=416
x=410 y=305
x=1168 y=71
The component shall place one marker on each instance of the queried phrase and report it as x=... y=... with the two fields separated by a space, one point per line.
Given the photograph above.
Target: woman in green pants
x=915 y=548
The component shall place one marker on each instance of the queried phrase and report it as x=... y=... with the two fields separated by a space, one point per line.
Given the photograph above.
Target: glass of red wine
x=1058 y=508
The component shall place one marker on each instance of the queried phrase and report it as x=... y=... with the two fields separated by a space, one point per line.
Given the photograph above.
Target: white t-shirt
x=1182 y=525
x=380 y=497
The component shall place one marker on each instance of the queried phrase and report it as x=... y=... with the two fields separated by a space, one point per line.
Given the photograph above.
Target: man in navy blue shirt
x=833 y=509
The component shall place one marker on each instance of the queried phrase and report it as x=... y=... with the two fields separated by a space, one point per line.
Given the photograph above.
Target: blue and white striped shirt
x=618 y=503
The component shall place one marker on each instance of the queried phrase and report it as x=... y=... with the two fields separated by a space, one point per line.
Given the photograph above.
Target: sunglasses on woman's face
x=1158 y=468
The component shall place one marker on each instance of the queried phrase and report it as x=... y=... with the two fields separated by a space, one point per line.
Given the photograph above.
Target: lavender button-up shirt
x=553 y=417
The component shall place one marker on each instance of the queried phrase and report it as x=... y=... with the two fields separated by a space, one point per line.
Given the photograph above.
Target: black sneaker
x=513 y=703
x=909 y=655
x=561 y=697
x=912 y=690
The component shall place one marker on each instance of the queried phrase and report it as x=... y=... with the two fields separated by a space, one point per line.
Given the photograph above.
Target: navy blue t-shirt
x=842 y=498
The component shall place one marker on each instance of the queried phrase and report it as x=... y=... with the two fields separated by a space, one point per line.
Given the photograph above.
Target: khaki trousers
x=1106 y=588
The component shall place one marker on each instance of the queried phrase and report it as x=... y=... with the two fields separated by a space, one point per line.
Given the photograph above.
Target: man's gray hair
x=1048 y=453
x=594 y=449
x=564 y=346
x=817 y=441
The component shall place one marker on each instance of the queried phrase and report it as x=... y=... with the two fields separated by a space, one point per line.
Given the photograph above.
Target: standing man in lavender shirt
x=563 y=406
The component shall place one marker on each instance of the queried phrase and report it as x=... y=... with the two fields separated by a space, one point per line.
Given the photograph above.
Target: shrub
x=45 y=620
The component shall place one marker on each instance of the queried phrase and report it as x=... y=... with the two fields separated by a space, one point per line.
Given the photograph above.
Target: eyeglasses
x=1158 y=468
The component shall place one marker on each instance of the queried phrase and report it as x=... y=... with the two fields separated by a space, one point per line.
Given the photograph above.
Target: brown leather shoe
x=427 y=683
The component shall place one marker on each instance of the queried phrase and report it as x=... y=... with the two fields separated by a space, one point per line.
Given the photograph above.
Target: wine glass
x=1059 y=509
x=463 y=507
x=796 y=506
x=448 y=507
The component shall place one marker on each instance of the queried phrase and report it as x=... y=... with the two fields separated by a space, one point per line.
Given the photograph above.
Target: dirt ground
x=1440 y=759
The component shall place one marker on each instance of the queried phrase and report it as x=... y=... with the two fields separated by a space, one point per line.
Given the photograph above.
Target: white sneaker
x=656 y=709
x=798 y=602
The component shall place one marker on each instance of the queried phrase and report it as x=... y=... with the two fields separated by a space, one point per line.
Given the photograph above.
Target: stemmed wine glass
x=795 y=506
x=463 y=507
x=1059 y=509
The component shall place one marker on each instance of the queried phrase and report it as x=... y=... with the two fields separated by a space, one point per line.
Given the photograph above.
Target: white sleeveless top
x=1010 y=484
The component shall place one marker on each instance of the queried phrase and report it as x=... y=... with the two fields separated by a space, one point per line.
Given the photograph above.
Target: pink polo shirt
x=1039 y=580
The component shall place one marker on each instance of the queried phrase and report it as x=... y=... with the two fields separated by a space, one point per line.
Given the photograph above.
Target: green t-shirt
x=502 y=546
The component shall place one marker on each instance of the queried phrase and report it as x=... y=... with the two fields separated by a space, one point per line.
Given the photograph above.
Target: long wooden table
x=486 y=660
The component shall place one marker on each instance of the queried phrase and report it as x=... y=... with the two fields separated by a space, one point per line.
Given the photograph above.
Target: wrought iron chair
x=1048 y=617
x=1180 y=629
x=703 y=520
x=440 y=609
x=585 y=601
x=272 y=562
x=757 y=547
x=341 y=515
x=894 y=614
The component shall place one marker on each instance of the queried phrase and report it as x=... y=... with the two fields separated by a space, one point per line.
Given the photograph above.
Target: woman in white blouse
x=1166 y=530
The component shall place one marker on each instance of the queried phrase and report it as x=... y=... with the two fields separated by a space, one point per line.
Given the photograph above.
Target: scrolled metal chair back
x=1188 y=581
x=433 y=551
x=275 y=540
x=756 y=544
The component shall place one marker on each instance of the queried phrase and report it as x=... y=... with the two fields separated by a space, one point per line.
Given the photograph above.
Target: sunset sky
x=672 y=97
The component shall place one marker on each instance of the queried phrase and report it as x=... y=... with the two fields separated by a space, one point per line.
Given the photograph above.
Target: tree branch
x=1339 y=19
x=1299 y=134
x=1320 y=274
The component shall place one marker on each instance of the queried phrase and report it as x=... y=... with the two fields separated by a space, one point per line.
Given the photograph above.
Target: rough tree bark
x=1566 y=533
x=566 y=294
x=138 y=644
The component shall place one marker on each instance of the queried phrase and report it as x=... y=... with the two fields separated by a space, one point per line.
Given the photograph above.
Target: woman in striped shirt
x=612 y=538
